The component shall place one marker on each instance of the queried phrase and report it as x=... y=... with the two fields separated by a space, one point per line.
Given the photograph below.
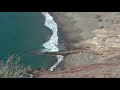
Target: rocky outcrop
x=62 y=52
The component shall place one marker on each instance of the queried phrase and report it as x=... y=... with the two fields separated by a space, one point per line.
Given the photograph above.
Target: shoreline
x=64 y=30
x=62 y=36
x=52 y=44
x=75 y=28
x=96 y=32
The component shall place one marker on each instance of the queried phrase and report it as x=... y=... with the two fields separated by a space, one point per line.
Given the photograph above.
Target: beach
x=77 y=28
x=97 y=35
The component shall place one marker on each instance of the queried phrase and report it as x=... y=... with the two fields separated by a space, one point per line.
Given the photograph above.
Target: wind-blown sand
x=97 y=34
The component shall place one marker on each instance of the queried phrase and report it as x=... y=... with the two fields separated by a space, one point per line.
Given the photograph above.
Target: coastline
x=52 y=44
x=62 y=37
x=76 y=28
x=66 y=31
x=97 y=34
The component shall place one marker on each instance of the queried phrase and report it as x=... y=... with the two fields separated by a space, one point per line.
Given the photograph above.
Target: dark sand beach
x=97 y=35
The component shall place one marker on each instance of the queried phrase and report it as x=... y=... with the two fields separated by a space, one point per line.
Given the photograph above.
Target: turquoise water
x=23 y=31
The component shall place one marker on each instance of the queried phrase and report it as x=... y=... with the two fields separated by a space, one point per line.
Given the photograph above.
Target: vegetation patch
x=11 y=68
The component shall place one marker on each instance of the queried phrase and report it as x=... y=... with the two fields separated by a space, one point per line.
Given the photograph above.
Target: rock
x=62 y=52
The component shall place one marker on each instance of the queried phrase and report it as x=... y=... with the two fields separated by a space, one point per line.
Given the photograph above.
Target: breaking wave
x=52 y=44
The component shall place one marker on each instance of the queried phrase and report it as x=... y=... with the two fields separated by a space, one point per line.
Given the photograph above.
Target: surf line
x=52 y=43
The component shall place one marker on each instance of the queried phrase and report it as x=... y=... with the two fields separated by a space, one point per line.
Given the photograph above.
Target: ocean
x=22 y=32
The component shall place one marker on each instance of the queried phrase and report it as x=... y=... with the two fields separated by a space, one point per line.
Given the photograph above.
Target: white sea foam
x=60 y=58
x=52 y=43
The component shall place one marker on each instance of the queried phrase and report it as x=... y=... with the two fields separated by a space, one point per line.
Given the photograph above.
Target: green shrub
x=11 y=68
